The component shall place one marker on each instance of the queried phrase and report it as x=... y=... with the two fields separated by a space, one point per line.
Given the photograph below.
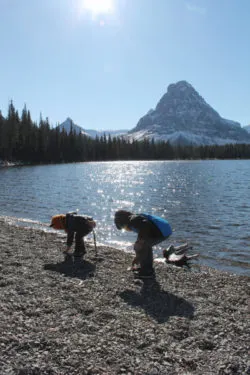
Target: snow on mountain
x=113 y=133
x=68 y=124
x=182 y=116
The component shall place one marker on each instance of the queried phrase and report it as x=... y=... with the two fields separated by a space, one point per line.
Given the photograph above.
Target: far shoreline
x=11 y=164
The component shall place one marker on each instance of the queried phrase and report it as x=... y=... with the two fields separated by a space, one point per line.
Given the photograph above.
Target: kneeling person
x=76 y=226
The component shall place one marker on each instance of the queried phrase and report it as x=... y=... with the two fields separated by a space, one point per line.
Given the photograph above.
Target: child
x=151 y=230
x=75 y=226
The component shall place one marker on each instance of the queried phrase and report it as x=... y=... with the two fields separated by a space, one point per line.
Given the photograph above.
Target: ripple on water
x=199 y=199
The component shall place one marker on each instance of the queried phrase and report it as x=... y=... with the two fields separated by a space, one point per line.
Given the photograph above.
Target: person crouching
x=76 y=227
x=151 y=230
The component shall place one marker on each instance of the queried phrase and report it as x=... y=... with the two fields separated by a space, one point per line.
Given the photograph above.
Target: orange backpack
x=58 y=222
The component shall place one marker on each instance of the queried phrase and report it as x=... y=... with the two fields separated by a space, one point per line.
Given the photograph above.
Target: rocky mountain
x=182 y=116
x=68 y=123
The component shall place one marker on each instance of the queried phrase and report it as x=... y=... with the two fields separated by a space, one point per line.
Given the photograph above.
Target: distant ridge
x=69 y=123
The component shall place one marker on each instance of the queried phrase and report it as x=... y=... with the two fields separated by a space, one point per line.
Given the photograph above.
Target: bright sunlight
x=99 y=6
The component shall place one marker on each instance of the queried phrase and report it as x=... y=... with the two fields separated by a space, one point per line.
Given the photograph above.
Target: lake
x=207 y=202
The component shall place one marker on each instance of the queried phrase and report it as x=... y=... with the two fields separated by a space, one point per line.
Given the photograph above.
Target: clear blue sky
x=106 y=70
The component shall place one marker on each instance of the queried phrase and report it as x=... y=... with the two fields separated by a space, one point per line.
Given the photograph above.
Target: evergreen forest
x=23 y=140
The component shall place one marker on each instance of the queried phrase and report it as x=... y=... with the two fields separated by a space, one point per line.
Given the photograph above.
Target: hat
x=58 y=222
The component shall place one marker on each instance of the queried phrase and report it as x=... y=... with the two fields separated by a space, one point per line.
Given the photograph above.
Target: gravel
x=95 y=318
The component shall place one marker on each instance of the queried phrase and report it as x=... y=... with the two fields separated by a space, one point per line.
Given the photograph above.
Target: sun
x=98 y=6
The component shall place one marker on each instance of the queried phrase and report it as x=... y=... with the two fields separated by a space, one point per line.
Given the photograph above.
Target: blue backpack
x=161 y=224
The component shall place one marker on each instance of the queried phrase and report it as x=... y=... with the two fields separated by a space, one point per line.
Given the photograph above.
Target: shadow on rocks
x=158 y=303
x=79 y=268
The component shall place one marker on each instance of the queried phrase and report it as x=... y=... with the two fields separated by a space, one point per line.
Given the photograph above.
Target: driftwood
x=177 y=255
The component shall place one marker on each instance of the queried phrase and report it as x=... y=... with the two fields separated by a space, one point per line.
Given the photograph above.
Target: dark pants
x=79 y=244
x=145 y=255
x=78 y=230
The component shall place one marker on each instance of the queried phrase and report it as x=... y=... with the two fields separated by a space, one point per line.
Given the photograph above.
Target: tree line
x=26 y=141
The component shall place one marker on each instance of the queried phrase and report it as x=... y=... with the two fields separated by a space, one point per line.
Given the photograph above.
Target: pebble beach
x=93 y=317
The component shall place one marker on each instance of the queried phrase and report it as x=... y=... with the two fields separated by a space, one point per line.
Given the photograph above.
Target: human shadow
x=81 y=269
x=158 y=303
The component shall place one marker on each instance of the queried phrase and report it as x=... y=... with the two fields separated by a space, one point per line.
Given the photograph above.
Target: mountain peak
x=69 y=121
x=180 y=96
x=180 y=85
x=182 y=114
x=182 y=89
x=69 y=124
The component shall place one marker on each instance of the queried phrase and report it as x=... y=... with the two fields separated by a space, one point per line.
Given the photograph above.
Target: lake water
x=207 y=203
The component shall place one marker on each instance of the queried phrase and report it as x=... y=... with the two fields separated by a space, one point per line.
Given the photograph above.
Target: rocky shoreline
x=94 y=318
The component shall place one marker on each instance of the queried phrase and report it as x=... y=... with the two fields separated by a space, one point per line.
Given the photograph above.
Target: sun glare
x=99 y=6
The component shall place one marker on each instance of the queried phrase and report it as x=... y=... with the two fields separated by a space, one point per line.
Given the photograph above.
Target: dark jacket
x=138 y=223
x=143 y=227
x=77 y=224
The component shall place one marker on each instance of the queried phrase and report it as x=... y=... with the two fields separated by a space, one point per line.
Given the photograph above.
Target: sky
x=106 y=63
